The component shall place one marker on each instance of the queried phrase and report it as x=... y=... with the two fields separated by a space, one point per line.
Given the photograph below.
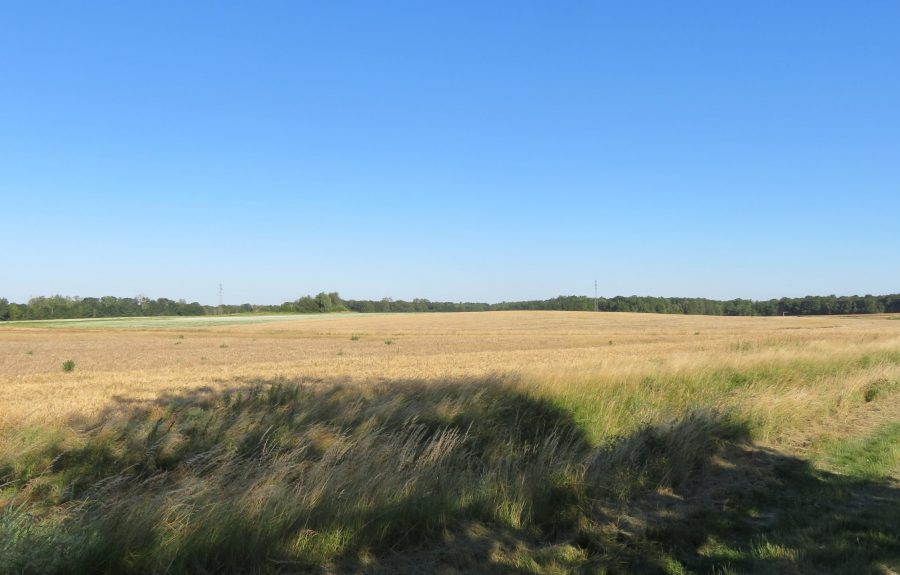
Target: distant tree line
x=809 y=305
x=61 y=307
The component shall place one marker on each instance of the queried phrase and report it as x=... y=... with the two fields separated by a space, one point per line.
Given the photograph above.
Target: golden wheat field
x=139 y=360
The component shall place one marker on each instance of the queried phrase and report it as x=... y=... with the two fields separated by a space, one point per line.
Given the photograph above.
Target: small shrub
x=354 y=337
x=29 y=352
x=223 y=346
x=696 y=333
x=610 y=342
x=874 y=389
x=388 y=341
x=68 y=365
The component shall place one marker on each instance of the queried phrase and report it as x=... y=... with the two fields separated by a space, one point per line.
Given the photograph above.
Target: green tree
x=324 y=303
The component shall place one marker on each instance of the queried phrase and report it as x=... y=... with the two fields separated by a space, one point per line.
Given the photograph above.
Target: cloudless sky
x=452 y=150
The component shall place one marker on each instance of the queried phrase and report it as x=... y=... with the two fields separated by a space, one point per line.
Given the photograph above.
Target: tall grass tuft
x=309 y=474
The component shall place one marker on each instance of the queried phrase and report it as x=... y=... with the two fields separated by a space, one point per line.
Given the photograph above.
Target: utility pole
x=220 y=298
x=596 y=301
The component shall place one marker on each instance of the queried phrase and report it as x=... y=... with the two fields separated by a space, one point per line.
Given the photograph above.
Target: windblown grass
x=302 y=475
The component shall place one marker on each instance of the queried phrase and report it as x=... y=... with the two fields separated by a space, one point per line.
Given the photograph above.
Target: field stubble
x=563 y=352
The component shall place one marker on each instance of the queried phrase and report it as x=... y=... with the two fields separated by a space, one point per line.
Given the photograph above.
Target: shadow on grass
x=410 y=476
x=759 y=511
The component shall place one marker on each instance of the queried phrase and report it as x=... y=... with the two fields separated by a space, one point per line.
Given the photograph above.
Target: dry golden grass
x=574 y=353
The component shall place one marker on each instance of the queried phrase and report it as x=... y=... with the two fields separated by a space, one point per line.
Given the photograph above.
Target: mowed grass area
x=526 y=442
x=168 y=322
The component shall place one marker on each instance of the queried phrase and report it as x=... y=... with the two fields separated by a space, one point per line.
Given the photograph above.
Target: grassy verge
x=777 y=398
x=656 y=475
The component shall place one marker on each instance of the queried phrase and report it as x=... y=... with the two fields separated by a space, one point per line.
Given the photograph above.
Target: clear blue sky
x=450 y=150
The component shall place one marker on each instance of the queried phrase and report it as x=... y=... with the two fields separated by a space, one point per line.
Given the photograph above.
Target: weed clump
x=877 y=388
x=68 y=366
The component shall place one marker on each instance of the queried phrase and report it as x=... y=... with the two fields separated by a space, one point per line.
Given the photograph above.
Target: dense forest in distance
x=61 y=307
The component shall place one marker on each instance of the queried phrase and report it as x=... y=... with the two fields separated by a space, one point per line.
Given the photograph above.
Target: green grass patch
x=874 y=457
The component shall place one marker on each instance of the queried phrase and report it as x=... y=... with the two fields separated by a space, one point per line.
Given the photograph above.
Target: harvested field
x=134 y=362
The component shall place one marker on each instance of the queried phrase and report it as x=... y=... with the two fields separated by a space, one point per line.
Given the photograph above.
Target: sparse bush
x=68 y=365
x=870 y=394
x=354 y=337
x=874 y=389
